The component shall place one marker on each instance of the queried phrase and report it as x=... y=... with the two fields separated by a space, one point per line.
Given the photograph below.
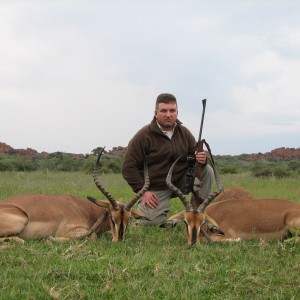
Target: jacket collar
x=154 y=126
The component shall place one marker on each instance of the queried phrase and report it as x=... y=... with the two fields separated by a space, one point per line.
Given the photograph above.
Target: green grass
x=152 y=263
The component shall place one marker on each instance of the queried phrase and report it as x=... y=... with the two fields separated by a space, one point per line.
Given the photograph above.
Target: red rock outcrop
x=6 y=148
x=277 y=154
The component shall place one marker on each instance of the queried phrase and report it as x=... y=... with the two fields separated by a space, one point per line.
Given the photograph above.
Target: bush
x=88 y=164
x=280 y=173
x=260 y=169
x=229 y=170
x=49 y=164
x=231 y=165
x=267 y=169
x=12 y=163
x=108 y=164
x=25 y=164
x=294 y=165
x=59 y=161
x=6 y=164
x=264 y=172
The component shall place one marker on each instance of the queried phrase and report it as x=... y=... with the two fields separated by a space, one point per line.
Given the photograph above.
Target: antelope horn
x=176 y=190
x=109 y=197
x=139 y=194
x=212 y=196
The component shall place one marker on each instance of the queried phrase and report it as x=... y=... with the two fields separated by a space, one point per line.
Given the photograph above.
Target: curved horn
x=140 y=193
x=212 y=196
x=109 y=197
x=175 y=190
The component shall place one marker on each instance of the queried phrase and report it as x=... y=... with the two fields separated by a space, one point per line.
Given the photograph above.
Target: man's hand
x=201 y=157
x=150 y=199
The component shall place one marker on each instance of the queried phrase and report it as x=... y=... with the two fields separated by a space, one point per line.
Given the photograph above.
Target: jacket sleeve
x=192 y=144
x=133 y=164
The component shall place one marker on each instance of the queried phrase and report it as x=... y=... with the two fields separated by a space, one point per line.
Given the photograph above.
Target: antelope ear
x=213 y=225
x=90 y=198
x=211 y=220
x=102 y=203
x=169 y=223
x=172 y=221
x=138 y=214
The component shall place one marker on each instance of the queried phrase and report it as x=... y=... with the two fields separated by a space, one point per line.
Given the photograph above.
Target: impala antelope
x=236 y=215
x=63 y=217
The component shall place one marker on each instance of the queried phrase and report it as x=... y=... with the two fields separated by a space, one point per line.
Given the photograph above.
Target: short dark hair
x=165 y=98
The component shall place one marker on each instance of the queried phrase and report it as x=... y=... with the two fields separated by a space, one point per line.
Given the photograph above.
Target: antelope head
x=119 y=213
x=196 y=221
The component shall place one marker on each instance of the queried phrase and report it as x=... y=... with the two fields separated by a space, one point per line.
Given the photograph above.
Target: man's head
x=166 y=111
x=165 y=98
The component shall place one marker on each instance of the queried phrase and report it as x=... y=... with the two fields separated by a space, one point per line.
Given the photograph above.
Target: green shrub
x=12 y=163
x=25 y=164
x=229 y=170
x=88 y=164
x=108 y=164
x=59 y=161
x=294 y=165
x=281 y=173
x=6 y=164
x=260 y=169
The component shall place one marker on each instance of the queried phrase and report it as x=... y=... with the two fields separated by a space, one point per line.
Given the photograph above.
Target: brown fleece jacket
x=160 y=152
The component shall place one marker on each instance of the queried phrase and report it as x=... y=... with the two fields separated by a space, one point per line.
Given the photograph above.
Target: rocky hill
x=276 y=154
x=28 y=152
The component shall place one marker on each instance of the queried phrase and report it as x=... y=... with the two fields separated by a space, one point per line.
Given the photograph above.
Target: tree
x=97 y=150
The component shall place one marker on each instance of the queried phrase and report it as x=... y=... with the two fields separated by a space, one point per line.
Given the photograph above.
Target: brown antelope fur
x=236 y=215
x=233 y=218
x=237 y=193
x=64 y=217
x=42 y=216
x=248 y=218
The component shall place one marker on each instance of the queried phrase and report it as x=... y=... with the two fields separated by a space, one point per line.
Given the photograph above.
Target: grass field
x=152 y=263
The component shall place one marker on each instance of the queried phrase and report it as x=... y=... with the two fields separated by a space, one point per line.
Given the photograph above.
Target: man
x=163 y=141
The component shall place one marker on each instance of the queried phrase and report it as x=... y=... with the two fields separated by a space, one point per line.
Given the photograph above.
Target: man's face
x=166 y=115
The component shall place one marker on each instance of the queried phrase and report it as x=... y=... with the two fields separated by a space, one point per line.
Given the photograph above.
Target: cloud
x=273 y=87
x=75 y=76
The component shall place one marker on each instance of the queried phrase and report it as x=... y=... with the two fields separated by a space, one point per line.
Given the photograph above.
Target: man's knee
x=155 y=221
x=154 y=216
x=204 y=185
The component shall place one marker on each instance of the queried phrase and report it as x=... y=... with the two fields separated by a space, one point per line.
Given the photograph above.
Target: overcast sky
x=75 y=75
